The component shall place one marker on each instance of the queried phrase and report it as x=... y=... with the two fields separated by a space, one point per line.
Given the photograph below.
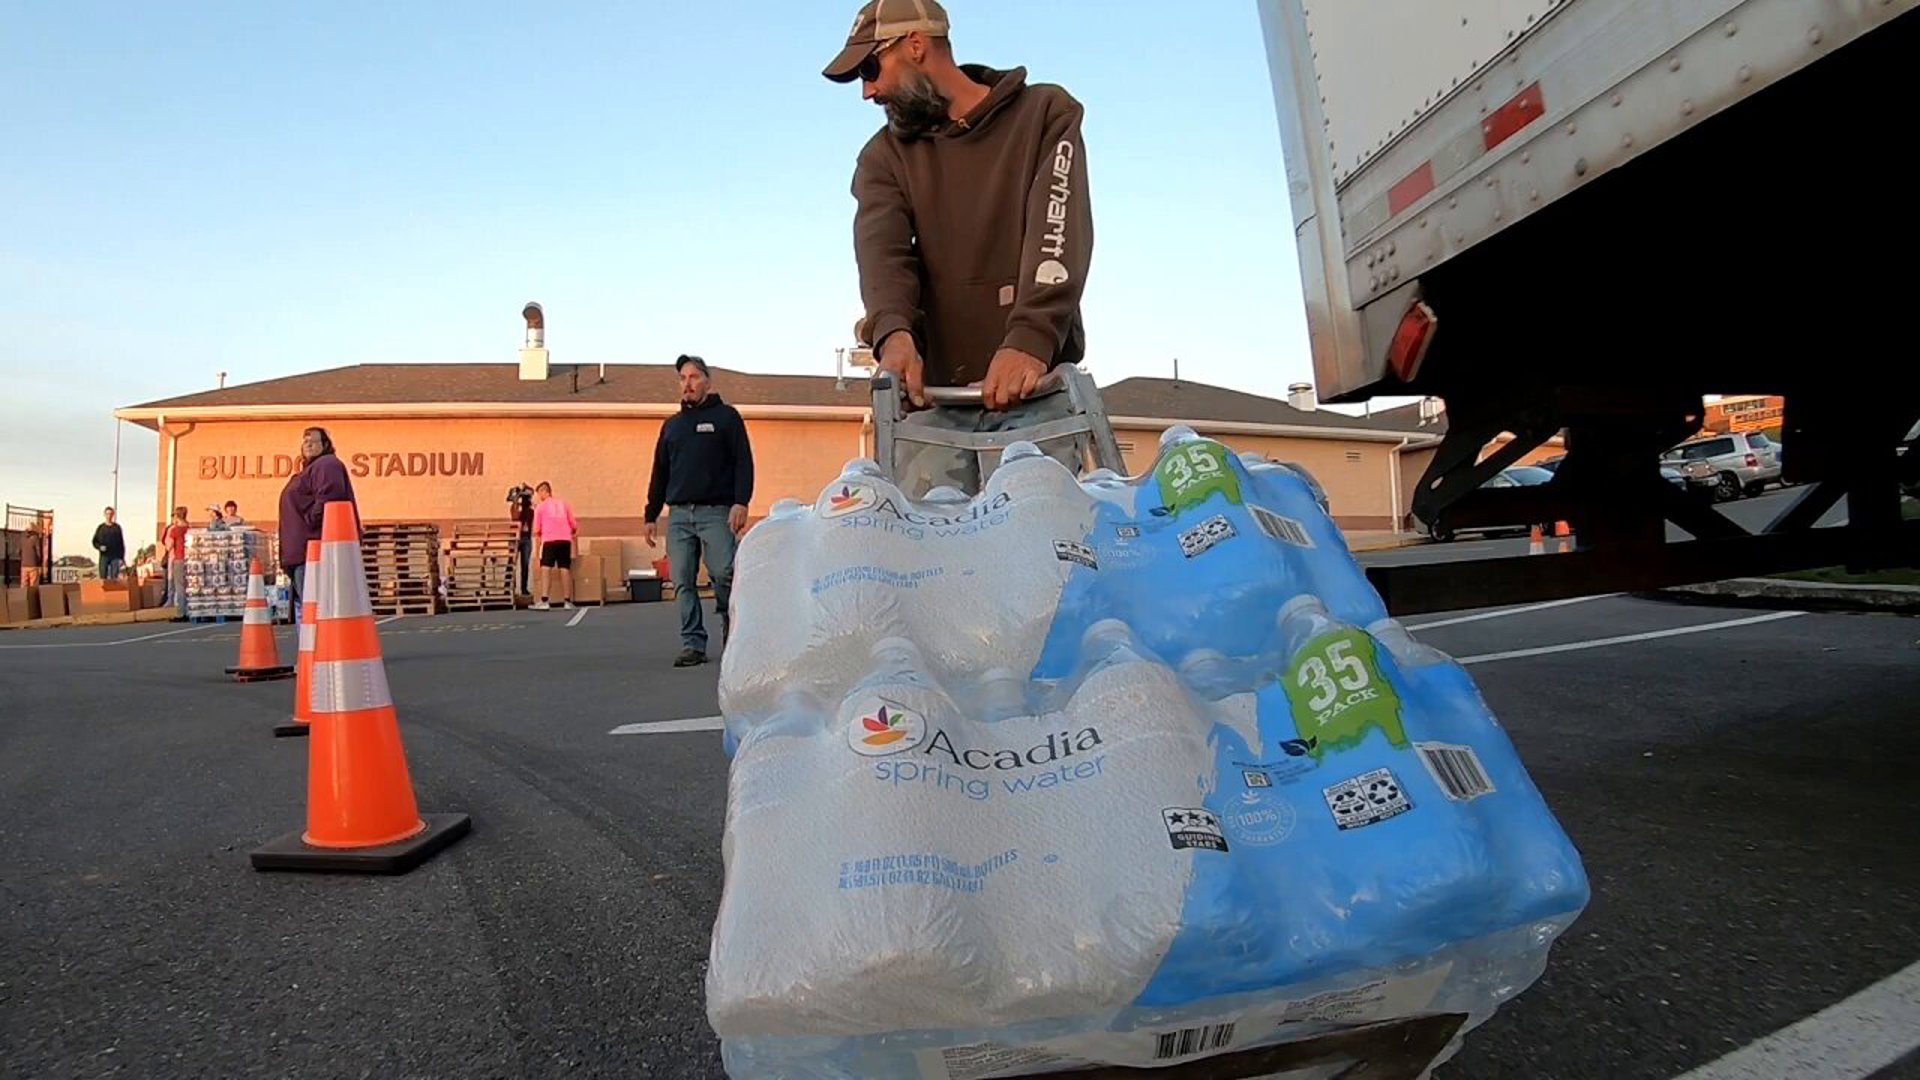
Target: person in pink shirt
x=554 y=531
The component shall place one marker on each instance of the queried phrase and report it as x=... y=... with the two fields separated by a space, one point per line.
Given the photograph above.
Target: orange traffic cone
x=259 y=656
x=1562 y=537
x=361 y=814
x=302 y=721
x=1536 y=545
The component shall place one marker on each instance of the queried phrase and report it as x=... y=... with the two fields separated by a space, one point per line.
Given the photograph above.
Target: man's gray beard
x=917 y=108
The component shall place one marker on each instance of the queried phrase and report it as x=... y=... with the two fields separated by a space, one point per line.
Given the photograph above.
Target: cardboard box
x=23 y=604
x=5 y=608
x=589 y=580
x=614 y=553
x=100 y=597
x=53 y=601
x=151 y=593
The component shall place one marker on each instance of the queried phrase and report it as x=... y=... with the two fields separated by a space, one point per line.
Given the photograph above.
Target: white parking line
x=1504 y=612
x=671 y=727
x=388 y=619
x=715 y=723
x=1625 y=639
x=1846 y=1041
x=577 y=616
x=102 y=644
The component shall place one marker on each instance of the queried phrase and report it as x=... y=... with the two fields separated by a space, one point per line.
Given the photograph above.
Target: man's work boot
x=690 y=658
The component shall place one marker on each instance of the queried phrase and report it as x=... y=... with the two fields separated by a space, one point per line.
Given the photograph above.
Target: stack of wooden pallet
x=483 y=566
x=403 y=568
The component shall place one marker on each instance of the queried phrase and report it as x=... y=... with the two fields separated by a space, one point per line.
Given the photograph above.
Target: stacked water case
x=1123 y=771
x=218 y=562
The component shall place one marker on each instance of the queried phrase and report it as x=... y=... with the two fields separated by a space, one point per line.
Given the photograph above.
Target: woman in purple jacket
x=319 y=477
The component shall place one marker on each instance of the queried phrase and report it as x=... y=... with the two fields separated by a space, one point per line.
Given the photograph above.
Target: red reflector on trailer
x=1411 y=189
x=1410 y=341
x=1525 y=107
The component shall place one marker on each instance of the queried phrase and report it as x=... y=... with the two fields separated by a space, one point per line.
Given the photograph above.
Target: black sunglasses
x=869 y=69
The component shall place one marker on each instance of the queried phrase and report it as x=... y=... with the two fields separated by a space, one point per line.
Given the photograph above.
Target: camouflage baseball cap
x=881 y=21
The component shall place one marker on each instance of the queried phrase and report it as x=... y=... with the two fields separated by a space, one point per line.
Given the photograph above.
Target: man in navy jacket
x=703 y=470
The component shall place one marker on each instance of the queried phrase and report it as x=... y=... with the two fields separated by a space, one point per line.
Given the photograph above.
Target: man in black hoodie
x=703 y=469
x=111 y=543
x=973 y=231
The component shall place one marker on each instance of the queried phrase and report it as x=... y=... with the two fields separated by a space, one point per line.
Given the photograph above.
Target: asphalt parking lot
x=1739 y=782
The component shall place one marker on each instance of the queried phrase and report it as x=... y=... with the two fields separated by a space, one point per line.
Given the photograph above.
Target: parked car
x=1740 y=465
x=1693 y=477
x=1766 y=442
x=1517 y=476
x=1696 y=478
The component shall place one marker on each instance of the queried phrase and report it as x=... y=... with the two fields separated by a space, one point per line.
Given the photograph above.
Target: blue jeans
x=177 y=585
x=526 y=557
x=690 y=529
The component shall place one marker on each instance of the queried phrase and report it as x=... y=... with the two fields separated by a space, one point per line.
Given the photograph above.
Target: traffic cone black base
x=265 y=674
x=290 y=852
x=291 y=730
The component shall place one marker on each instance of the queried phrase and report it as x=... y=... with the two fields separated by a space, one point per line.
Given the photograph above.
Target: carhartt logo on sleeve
x=1054 y=244
x=1006 y=296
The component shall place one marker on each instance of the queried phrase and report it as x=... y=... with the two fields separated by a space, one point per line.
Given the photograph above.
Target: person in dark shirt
x=703 y=470
x=520 y=511
x=319 y=477
x=111 y=544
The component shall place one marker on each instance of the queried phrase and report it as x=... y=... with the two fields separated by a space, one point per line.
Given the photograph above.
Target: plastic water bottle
x=1021 y=535
x=1324 y=565
x=945 y=493
x=1213 y=675
x=1474 y=753
x=1408 y=654
x=1335 y=687
x=1000 y=694
x=1178 y=433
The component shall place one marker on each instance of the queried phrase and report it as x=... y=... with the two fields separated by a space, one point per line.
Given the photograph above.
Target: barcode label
x=1284 y=529
x=1193 y=1040
x=1456 y=769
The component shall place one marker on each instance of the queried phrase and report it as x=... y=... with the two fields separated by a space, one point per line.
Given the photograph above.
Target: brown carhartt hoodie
x=978 y=236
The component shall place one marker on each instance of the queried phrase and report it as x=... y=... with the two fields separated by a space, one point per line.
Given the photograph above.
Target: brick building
x=444 y=442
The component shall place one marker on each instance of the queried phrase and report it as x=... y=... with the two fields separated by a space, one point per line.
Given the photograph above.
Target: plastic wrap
x=1118 y=772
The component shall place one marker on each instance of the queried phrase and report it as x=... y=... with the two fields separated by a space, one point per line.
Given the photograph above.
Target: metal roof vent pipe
x=1301 y=396
x=533 y=354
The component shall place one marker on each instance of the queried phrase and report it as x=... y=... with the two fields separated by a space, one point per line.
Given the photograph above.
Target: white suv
x=1741 y=463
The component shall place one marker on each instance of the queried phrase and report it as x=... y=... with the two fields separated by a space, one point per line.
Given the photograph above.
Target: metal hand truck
x=1087 y=423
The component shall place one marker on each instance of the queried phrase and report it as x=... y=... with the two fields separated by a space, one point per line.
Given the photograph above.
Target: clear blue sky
x=266 y=189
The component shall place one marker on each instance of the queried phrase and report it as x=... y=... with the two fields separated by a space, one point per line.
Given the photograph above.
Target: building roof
x=1169 y=399
x=634 y=384
x=410 y=384
x=1407 y=418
